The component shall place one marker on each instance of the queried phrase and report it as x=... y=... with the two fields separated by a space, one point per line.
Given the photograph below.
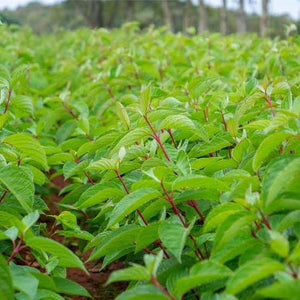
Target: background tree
x=201 y=16
x=129 y=10
x=167 y=15
x=264 y=18
x=92 y=11
x=241 y=24
x=186 y=17
x=113 y=12
x=224 y=24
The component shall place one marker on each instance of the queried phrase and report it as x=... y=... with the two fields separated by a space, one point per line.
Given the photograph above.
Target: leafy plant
x=180 y=156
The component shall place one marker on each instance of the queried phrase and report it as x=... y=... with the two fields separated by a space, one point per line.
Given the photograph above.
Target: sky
x=276 y=6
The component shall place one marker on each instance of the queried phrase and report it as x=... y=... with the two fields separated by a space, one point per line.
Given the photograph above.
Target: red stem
x=172 y=138
x=176 y=211
x=224 y=121
x=89 y=178
x=69 y=111
x=229 y=152
x=3 y=195
x=268 y=99
x=16 y=249
x=140 y=213
x=193 y=203
x=149 y=251
x=7 y=102
x=122 y=181
x=157 y=138
x=164 y=290
x=170 y=200
x=264 y=220
x=294 y=273
x=108 y=89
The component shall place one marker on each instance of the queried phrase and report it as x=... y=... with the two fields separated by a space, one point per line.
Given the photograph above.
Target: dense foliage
x=181 y=156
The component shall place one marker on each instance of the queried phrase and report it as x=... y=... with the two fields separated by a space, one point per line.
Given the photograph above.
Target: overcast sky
x=276 y=6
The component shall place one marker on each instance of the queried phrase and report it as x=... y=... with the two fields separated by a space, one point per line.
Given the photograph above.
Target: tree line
x=93 y=12
x=178 y=15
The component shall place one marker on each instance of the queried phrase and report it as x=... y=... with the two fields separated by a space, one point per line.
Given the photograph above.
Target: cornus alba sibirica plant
x=176 y=155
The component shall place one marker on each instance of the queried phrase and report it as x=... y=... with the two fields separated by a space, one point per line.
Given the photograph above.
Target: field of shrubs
x=173 y=160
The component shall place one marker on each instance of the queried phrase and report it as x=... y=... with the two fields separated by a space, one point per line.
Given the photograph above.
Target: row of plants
x=181 y=157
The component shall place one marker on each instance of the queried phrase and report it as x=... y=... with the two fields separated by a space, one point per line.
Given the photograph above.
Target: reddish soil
x=95 y=281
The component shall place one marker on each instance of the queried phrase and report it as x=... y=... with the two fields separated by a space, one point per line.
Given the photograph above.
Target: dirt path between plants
x=95 y=281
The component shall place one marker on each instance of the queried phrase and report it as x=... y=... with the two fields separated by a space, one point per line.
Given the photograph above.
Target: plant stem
x=171 y=201
x=16 y=248
x=139 y=212
x=108 y=89
x=89 y=178
x=164 y=290
x=3 y=195
x=157 y=138
x=229 y=152
x=193 y=203
x=69 y=111
x=172 y=138
x=268 y=99
x=122 y=181
x=7 y=102
x=198 y=252
x=264 y=220
x=224 y=121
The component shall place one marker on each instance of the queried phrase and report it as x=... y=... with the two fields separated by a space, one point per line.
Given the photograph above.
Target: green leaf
x=38 y=176
x=202 y=149
x=114 y=241
x=65 y=130
x=130 y=203
x=136 y=272
x=199 y=181
x=147 y=235
x=66 y=286
x=71 y=168
x=231 y=227
x=19 y=184
x=23 y=280
x=145 y=292
x=267 y=146
x=22 y=105
x=145 y=99
x=219 y=214
x=173 y=237
x=30 y=219
x=283 y=170
x=98 y=193
x=131 y=137
x=289 y=220
x=252 y=272
x=103 y=164
x=201 y=273
x=295 y=255
x=282 y=290
x=11 y=233
x=177 y=122
x=65 y=256
x=9 y=220
x=122 y=114
x=6 y=286
x=279 y=243
x=29 y=147
x=235 y=247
